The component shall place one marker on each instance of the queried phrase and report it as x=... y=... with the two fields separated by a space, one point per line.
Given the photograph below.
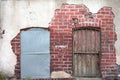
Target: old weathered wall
x=61 y=38
x=17 y=14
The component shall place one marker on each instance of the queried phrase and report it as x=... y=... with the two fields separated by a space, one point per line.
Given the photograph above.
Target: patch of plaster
x=61 y=46
x=60 y=74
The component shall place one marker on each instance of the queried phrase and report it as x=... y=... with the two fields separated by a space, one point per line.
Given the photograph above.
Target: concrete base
x=88 y=79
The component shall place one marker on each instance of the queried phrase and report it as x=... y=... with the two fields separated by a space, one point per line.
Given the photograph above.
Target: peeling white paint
x=61 y=46
x=17 y=14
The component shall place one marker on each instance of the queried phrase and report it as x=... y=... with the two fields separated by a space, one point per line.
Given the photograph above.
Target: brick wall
x=61 y=38
x=61 y=34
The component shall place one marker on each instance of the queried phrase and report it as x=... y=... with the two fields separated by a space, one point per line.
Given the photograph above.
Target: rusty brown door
x=86 y=52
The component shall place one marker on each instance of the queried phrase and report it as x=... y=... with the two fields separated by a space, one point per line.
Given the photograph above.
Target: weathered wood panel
x=86 y=48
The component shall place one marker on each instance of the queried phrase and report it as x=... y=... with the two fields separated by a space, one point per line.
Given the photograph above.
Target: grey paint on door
x=35 y=53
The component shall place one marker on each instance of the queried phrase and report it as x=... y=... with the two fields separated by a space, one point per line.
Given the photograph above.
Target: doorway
x=86 y=52
x=35 y=53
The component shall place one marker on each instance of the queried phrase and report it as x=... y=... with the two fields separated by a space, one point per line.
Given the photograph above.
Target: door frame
x=86 y=28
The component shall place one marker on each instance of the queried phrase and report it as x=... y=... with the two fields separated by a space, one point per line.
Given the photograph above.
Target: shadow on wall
x=118 y=67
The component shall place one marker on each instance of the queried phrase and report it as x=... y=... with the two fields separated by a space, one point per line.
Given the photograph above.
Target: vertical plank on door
x=86 y=47
x=75 y=64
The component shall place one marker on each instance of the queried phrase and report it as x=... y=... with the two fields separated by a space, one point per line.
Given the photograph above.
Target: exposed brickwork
x=61 y=39
x=61 y=34
x=108 y=61
x=17 y=50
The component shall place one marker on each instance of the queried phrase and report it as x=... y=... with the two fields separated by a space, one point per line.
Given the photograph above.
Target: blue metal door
x=35 y=53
